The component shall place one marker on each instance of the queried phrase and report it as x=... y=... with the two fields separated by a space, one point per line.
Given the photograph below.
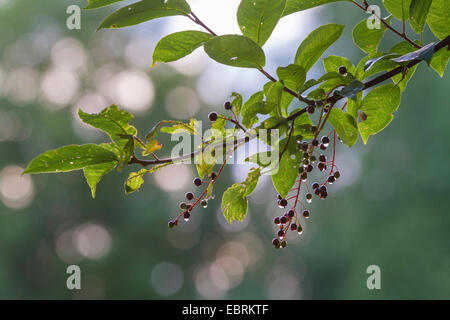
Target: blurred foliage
x=393 y=214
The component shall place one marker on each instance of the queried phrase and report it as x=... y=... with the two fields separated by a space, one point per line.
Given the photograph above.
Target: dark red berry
x=323 y=189
x=309 y=168
x=331 y=179
x=279 y=197
x=315 y=185
x=323 y=194
x=283 y=220
x=305 y=146
x=342 y=70
x=291 y=213
x=283 y=203
x=322 y=158
x=306 y=214
x=310 y=109
x=212 y=116
x=280 y=234
x=228 y=105
x=276 y=242
x=317 y=191
x=186 y=215
x=322 y=166
x=213 y=175
x=293 y=227
x=189 y=195
x=276 y=220
x=315 y=142
x=198 y=182
x=323 y=147
x=325 y=140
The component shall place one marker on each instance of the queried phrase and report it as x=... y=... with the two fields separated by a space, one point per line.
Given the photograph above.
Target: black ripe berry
x=323 y=189
x=310 y=109
x=280 y=234
x=212 y=116
x=305 y=146
x=189 y=196
x=323 y=194
x=337 y=174
x=325 y=140
x=279 y=197
x=306 y=214
x=331 y=179
x=282 y=203
x=322 y=158
x=323 y=146
x=283 y=220
x=198 y=182
x=315 y=142
x=291 y=213
x=276 y=220
x=276 y=243
x=228 y=105
x=317 y=192
x=342 y=70
x=186 y=216
x=213 y=175
x=293 y=227
x=315 y=185
x=309 y=168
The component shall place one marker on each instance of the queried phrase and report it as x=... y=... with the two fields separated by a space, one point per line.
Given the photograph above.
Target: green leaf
x=94 y=4
x=274 y=95
x=300 y=5
x=69 y=158
x=151 y=146
x=395 y=8
x=249 y=112
x=378 y=106
x=332 y=64
x=367 y=39
x=262 y=159
x=234 y=203
x=440 y=60
x=316 y=43
x=181 y=127
x=284 y=179
x=439 y=18
x=135 y=181
x=383 y=59
x=354 y=105
x=251 y=181
x=94 y=174
x=254 y=98
x=302 y=125
x=236 y=102
x=313 y=82
x=258 y=18
x=375 y=66
x=418 y=12
x=293 y=76
x=143 y=11
x=178 y=45
x=345 y=126
x=112 y=120
x=236 y=51
x=205 y=163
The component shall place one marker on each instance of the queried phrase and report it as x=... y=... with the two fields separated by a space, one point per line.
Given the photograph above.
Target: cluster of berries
x=187 y=207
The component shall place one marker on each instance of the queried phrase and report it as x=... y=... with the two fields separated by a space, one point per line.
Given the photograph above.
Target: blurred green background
x=389 y=208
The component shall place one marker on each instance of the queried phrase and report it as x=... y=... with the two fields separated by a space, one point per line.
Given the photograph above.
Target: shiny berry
x=325 y=140
x=212 y=116
x=293 y=227
x=299 y=138
x=198 y=182
x=315 y=142
x=291 y=213
x=305 y=146
x=337 y=174
x=228 y=105
x=309 y=168
x=310 y=109
x=213 y=175
x=315 y=185
x=276 y=220
x=306 y=214
x=323 y=147
x=186 y=215
x=283 y=244
x=189 y=196
x=322 y=158
x=280 y=234
x=282 y=203
x=283 y=220
x=183 y=205
x=342 y=70
x=276 y=242
x=331 y=179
